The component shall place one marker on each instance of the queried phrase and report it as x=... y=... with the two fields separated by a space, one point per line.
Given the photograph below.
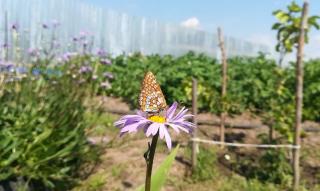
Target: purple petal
x=168 y=138
x=129 y=128
x=185 y=124
x=137 y=126
x=119 y=123
x=188 y=116
x=187 y=127
x=133 y=127
x=161 y=131
x=176 y=126
x=152 y=129
x=129 y=116
x=181 y=113
x=132 y=118
x=131 y=121
x=171 y=110
x=144 y=126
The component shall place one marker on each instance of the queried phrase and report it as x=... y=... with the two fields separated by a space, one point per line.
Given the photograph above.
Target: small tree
x=288 y=29
x=292 y=33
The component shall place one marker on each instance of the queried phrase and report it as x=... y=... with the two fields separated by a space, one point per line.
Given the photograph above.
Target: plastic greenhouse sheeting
x=112 y=31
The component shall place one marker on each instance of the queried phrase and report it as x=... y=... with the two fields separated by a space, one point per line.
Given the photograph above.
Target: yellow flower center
x=157 y=119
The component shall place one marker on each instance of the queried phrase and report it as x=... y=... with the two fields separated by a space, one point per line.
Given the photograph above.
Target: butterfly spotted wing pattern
x=151 y=97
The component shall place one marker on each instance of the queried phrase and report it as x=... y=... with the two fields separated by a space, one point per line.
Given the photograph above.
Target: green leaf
x=294 y=7
x=15 y=155
x=312 y=21
x=281 y=16
x=159 y=177
x=276 y=26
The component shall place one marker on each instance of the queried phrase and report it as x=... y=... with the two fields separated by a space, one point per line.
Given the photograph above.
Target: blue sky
x=245 y=19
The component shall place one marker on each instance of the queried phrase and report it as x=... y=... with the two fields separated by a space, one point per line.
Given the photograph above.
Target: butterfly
x=151 y=97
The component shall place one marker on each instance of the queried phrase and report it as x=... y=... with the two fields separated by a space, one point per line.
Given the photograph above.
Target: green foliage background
x=254 y=83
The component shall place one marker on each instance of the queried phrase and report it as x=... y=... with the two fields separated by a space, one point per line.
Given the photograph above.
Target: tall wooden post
x=194 y=113
x=271 y=133
x=224 y=67
x=299 y=95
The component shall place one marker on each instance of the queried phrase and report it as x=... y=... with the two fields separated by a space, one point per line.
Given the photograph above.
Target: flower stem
x=149 y=161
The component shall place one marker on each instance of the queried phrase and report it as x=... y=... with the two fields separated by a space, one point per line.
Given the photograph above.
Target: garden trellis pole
x=194 y=113
x=224 y=67
x=299 y=95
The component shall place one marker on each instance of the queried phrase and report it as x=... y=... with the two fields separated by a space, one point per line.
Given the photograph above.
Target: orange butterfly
x=151 y=97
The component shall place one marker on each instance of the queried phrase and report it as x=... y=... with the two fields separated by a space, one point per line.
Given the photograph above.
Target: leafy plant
x=254 y=83
x=271 y=167
x=237 y=183
x=275 y=168
x=312 y=90
x=288 y=27
x=42 y=133
x=280 y=115
x=206 y=160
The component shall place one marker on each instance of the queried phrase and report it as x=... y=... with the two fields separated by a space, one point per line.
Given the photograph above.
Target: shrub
x=206 y=162
x=271 y=167
x=42 y=134
x=254 y=83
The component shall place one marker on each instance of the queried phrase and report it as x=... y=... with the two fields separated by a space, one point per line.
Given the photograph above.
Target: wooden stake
x=271 y=133
x=224 y=67
x=299 y=95
x=194 y=113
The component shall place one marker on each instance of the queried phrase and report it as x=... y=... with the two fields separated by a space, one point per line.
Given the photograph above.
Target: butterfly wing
x=151 y=97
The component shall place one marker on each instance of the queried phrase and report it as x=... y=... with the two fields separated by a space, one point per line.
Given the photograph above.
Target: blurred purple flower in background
x=75 y=39
x=94 y=77
x=36 y=72
x=22 y=70
x=85 y=69
x=83 y=35
x=106 y=85
x=105 y=61
x=15 y=26
x=5 y=45
x=6 y=66
x=45 y=26
x=108 y=75
x=67 y=56
x=102 y=53
x=33 y=52
x=85 y=43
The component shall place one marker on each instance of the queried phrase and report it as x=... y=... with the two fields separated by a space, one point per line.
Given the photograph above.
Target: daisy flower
x=153 y=124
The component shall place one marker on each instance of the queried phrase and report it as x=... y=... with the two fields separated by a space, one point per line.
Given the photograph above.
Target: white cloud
x=192 y=22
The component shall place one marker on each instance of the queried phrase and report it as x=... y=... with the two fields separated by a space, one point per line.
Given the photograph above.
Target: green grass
x=95 y=182
x=206 y=165
x=118 y=170
x=100 y=123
